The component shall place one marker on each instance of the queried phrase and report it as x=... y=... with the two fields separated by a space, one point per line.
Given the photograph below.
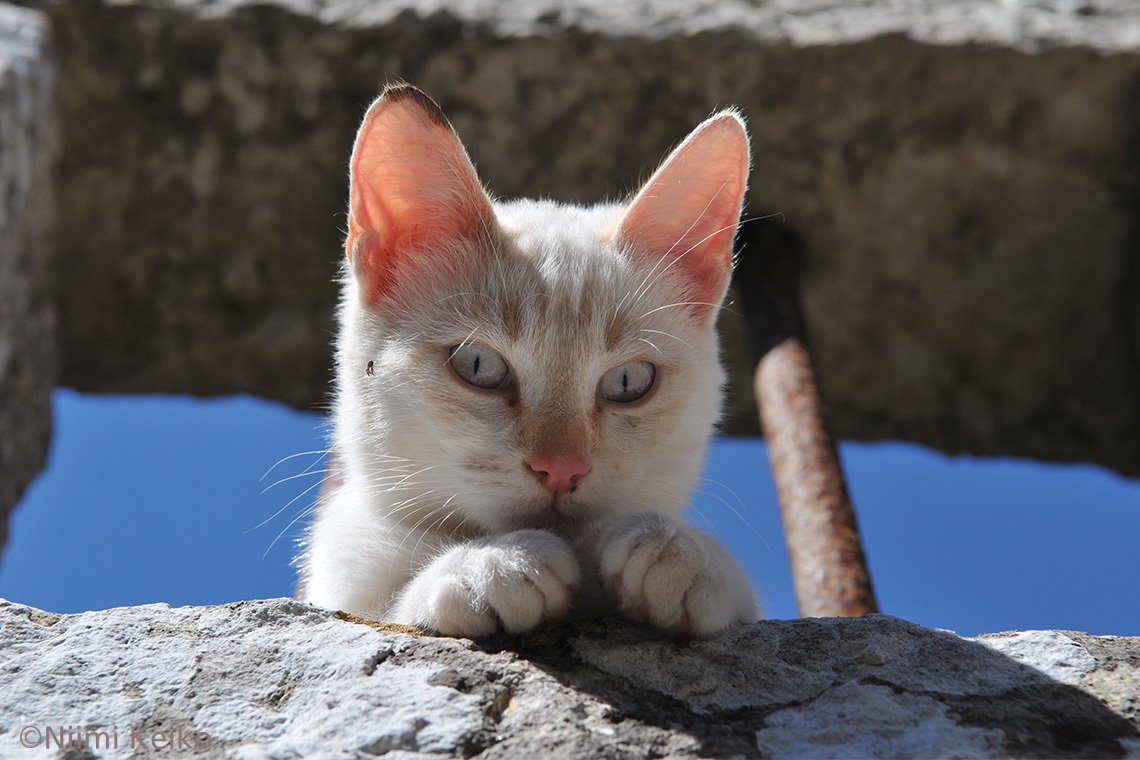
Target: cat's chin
x=558 y=516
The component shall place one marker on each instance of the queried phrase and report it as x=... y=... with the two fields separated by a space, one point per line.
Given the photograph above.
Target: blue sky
x=158 y=499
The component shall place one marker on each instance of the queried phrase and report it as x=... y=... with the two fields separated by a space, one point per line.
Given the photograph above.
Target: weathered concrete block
x=282 y=679
x=962 y=177
x=28 y=361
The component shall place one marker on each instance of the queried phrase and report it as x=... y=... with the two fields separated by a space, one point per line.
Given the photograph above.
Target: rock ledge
x=283 y=679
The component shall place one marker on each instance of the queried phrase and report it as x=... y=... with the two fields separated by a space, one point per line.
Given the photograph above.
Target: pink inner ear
x=688 y=210
x=412 y=186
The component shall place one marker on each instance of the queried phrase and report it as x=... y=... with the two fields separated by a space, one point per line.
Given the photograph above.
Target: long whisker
x=412 y=530
x=323 y=453
x=300 y=515
x=731 y=508
x=664 y=262
x=679 y=303
x=667 y=258
x=651 y=344
x=656 y=272
x=440 y=522
x=463 y=343
x=666 y=334
x=278 y=482
x=291 y=502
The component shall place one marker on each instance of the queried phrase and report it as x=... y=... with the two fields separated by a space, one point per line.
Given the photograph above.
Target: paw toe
x=520 y=606
x=452 y=613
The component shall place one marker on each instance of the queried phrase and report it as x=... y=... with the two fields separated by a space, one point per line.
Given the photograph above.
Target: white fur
x=674 y=576
x=517 y=579
x=437 y=521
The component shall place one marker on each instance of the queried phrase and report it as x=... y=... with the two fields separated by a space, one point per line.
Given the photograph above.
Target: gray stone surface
x=28 y=361
x=280 y=679
x=961 y=178
x=1024 y=25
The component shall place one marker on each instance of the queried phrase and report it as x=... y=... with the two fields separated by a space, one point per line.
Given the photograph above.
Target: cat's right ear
x=412 y=190
x=686 y=215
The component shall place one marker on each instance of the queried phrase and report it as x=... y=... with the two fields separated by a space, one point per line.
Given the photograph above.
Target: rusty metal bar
x=829 y=569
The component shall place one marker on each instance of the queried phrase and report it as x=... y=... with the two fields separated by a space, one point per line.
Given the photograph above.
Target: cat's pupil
x=475 y=368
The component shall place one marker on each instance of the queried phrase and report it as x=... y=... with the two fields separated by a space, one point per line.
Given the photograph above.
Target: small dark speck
x=451 y=679
x=369 y=370
x=1087 y=10
x=613 y=715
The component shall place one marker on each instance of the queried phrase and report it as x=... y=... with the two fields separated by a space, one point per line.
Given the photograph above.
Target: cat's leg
x=674 y=576
x=514 y=581
x=354 y=561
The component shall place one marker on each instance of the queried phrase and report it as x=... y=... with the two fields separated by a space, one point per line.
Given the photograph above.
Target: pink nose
x=558 y=475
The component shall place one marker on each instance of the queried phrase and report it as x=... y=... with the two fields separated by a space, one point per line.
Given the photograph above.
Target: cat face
x=534 y=365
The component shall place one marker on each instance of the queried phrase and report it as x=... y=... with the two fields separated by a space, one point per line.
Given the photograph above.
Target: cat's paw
x=673 y=576
x=511 y=582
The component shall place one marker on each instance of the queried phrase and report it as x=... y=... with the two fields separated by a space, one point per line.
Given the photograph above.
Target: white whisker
x=666 y=334
x=304 y=474
x=678 y=303
x=301 y=515
x=291 y=502
x=651 y=344
x=323 y=453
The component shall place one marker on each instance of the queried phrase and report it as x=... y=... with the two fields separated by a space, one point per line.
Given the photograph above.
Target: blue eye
x=480 y=366
x=626 y=383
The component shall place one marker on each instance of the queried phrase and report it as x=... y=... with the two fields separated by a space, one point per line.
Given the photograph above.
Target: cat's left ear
x=685 y=216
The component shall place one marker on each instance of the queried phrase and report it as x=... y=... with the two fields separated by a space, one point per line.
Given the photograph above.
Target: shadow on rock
x=874 y=687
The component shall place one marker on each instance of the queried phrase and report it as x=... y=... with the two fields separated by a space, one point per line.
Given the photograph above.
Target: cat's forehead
x=561 y=269
x=555 y=284
x=543 y=228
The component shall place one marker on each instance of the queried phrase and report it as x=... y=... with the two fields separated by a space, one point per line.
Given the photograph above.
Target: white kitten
x=525 y=391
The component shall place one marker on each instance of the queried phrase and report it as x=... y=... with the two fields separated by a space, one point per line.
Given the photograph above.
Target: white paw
x=674 y=576
x=513 y=582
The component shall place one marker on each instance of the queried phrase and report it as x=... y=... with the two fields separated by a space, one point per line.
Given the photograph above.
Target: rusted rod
x=829 y=569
